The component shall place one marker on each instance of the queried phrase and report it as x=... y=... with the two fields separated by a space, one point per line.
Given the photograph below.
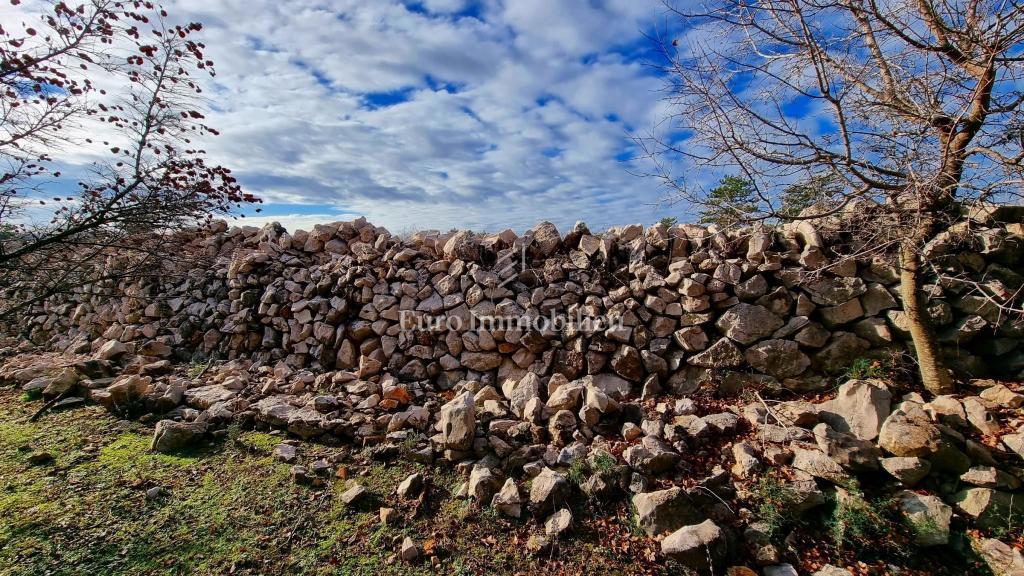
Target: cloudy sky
x=436 y=114
x=480 y=114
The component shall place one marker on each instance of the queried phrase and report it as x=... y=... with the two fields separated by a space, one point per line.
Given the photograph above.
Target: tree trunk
x=934 y=375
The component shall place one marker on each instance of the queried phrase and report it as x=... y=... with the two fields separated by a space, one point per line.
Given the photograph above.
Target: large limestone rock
x=171 y=436
x=834 y=291
x=457 y=422
x=989 y=508
x=548 y=491
x=778 y=358
x=909 y=470
x=483 y=484
x=700 y=546
x=1002 y=559
x=909 y=433
x=545 y=239
x=508 y=501
x=842 y=349
x=1015 y=442
x=928 y=517
x=203 y=397
x=664 y=510
x=721 y=354
x=859 y=408
x=810 y=459
x=748 y=323
x=847 y=450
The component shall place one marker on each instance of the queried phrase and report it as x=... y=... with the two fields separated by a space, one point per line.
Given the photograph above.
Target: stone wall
x=662 y=308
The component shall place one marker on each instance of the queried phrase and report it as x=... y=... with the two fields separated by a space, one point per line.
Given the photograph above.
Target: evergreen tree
x=729 y=203
x=805 y=193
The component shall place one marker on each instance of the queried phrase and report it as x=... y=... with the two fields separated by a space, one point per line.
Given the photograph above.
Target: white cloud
x=496 y=114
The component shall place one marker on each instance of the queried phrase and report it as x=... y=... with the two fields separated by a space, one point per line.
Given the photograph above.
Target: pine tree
x=808 y=192
x=730 y=202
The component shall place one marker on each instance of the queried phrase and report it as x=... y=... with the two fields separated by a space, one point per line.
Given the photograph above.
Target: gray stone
x=928 y=517
x=409 y=552
x=558 y=523
x=721 y=354
x=847 y=450
x=664 y=511
x=909 y=470
x=548 y=491
x=748 y=323
x=778 y=358
x=457 y=422
x=840 y=352
x=353 y=494
x=483 y=484
x=816 y=463
x=909 y=433
x=508 y=501
x=859 y=408
x=700 y=546
x=411 y=486
x=1001 y=558
x=834 y=291
x=286 y=453
x=989 y=508
x=171 y=436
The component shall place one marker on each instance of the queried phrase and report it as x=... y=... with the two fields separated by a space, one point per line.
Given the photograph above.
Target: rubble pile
x=545 y=357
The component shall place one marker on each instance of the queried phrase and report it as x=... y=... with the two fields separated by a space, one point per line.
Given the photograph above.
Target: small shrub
x=775 y=504
x=408 y=445
x=578 y=470
x=669 y=221
x=1011 y=528
x=197 y=368
x=855 y=520
x=865 y=368
x=604 y=463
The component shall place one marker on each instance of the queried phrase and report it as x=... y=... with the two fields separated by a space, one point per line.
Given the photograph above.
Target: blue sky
x=474 y=114
x=480 y=114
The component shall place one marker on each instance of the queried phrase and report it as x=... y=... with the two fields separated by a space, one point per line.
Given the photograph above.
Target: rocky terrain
x=730 y=389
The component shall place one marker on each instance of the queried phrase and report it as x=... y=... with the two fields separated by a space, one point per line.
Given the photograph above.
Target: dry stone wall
x=657 y=308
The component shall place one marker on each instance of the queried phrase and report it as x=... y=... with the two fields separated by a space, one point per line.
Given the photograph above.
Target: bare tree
x=114 y=83
x=911 y=108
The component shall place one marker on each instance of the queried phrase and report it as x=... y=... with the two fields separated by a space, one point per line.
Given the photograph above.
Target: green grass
x=774 y=505
x=856 y=521
x=228 y=507
x=865 y=369
x=578 y=470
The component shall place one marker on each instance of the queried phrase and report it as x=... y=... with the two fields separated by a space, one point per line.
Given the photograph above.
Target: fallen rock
x=664 y=511
x=990 y=477
x=859 y=408
x=558 y=523
x=989 y=508
x=353 y=494
x=548 y=490
x=1002 y=559
x=508 y=501
x=171 y=436
x=457 y=422
x=411 y=486
x=700 y=546
x=909 y=433
x=928 y=517
x=909 y=470
x=816 y=463
x=286 y=453
x=409 y=552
